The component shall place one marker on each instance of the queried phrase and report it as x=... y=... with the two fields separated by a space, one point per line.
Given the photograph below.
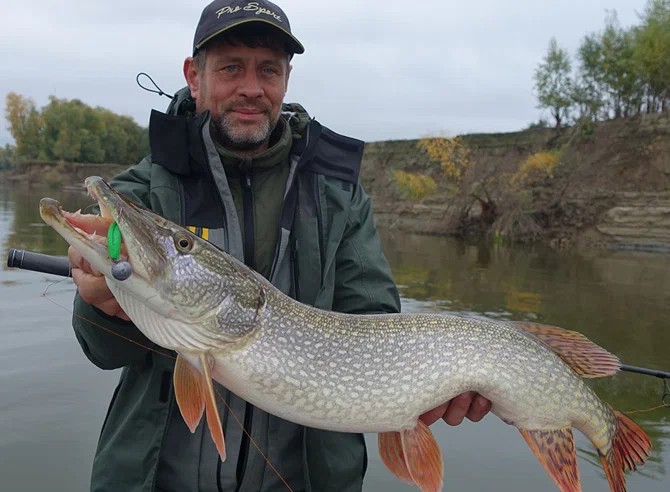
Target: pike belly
x=379 y=373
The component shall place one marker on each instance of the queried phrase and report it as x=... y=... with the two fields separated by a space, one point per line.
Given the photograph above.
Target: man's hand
x=92 y=286
x=470 y=405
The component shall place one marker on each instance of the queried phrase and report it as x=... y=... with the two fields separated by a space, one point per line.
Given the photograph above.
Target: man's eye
x=230 y=68
x=270 y=70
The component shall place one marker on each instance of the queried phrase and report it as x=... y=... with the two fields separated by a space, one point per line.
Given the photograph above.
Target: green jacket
x=329 y=256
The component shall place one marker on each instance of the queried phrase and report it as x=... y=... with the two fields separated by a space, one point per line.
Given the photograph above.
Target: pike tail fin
x=195 y=394
x=555 y=450
x=630 y=448
x=413 y=456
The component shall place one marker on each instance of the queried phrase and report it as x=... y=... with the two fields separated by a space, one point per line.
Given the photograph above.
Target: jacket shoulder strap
x=326 y=152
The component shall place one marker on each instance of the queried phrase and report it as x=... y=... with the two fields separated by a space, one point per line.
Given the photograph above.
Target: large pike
x=352 y=373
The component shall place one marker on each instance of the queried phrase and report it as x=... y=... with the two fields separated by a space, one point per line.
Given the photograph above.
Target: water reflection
x=26 y=229
x=617 y=299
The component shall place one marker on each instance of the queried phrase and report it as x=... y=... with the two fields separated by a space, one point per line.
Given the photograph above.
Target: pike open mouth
x=87 y=230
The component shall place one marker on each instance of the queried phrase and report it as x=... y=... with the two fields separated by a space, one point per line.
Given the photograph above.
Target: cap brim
x=294 y=45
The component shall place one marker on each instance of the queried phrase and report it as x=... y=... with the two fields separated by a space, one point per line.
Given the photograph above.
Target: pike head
x=183 y=293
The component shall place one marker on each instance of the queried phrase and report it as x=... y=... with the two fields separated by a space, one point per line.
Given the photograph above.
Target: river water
x=54 y=401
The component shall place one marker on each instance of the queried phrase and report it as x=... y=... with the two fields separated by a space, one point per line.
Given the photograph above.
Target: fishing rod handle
x=38 y=262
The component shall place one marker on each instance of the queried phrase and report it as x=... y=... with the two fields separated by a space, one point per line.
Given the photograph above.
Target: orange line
x=165 y=354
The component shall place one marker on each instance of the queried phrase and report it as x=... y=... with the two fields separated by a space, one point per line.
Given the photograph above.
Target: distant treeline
x=70 y=131
x=621 y=72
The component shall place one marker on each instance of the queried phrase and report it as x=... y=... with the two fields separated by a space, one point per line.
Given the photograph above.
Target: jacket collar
x=176 y=142
x=177 y=145
x=277 y=153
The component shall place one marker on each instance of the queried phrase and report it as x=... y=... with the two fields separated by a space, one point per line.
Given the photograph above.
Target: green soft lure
x=114 y=241
x=121 y=270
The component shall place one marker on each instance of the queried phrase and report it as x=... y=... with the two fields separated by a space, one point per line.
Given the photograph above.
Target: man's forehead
x=226 y=50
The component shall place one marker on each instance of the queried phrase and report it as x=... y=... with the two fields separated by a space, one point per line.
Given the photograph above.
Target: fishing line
x=152 y=349
x=632 y=412
x=665 y=399
x=69 y=311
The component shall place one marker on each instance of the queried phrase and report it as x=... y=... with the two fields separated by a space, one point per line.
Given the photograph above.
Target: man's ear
x=288 y=73
x=191 y=76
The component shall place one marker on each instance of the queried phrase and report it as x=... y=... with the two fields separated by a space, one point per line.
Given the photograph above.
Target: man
x=280 y=192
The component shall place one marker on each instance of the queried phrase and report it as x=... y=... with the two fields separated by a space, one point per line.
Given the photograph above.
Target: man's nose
x=250 y=85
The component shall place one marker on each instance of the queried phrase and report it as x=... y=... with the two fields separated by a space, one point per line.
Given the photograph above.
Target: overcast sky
x=372 y=69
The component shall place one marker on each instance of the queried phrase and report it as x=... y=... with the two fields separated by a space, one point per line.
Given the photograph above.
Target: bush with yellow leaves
x=451 y=153
x=536 y=167
x=414 y=186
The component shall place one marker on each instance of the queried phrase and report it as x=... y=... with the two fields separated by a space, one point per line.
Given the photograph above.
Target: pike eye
x=183 y=242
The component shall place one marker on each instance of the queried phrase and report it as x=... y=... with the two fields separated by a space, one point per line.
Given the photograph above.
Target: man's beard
x=241 y=137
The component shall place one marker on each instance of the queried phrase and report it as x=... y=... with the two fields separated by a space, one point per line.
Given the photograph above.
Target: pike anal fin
x=555 y=449
x=195 y=394
x=413 y=456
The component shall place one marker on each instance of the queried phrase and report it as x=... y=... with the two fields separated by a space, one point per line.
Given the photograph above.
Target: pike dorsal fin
x=585 y=357
x=195 y=394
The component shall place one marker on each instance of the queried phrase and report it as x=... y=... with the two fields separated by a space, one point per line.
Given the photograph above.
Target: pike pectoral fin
x=555 y=449
x=190 y=392
x=195 y=394
x=413 y=456
x=585 y=357
x=213 y=418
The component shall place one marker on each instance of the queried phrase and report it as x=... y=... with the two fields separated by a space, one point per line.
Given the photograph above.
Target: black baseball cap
x=221 y=15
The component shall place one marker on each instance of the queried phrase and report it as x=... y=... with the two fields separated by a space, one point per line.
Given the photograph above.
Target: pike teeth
x=104 y=211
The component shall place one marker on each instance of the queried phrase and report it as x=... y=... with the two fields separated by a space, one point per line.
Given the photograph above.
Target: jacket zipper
x=162 y=443
x=248 y=208
x=182 y=217
x=250 y=260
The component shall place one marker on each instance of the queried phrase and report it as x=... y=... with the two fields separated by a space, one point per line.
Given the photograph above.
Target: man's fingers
x=76 y=260
x=92 y=289
x=111 y=308
x=432 y=416
x=458 y=407
x=479 y=407
x=470 y=405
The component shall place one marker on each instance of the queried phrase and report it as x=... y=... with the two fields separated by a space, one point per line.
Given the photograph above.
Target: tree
x=617 y=68
x=7 y=157
x=588 y=92
x=651 y=54
x=609 y=83
x=69 y=130
x=25 y=125
x=553 y=83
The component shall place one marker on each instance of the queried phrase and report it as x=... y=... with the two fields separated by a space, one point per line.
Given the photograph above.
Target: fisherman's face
x=243 y=88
